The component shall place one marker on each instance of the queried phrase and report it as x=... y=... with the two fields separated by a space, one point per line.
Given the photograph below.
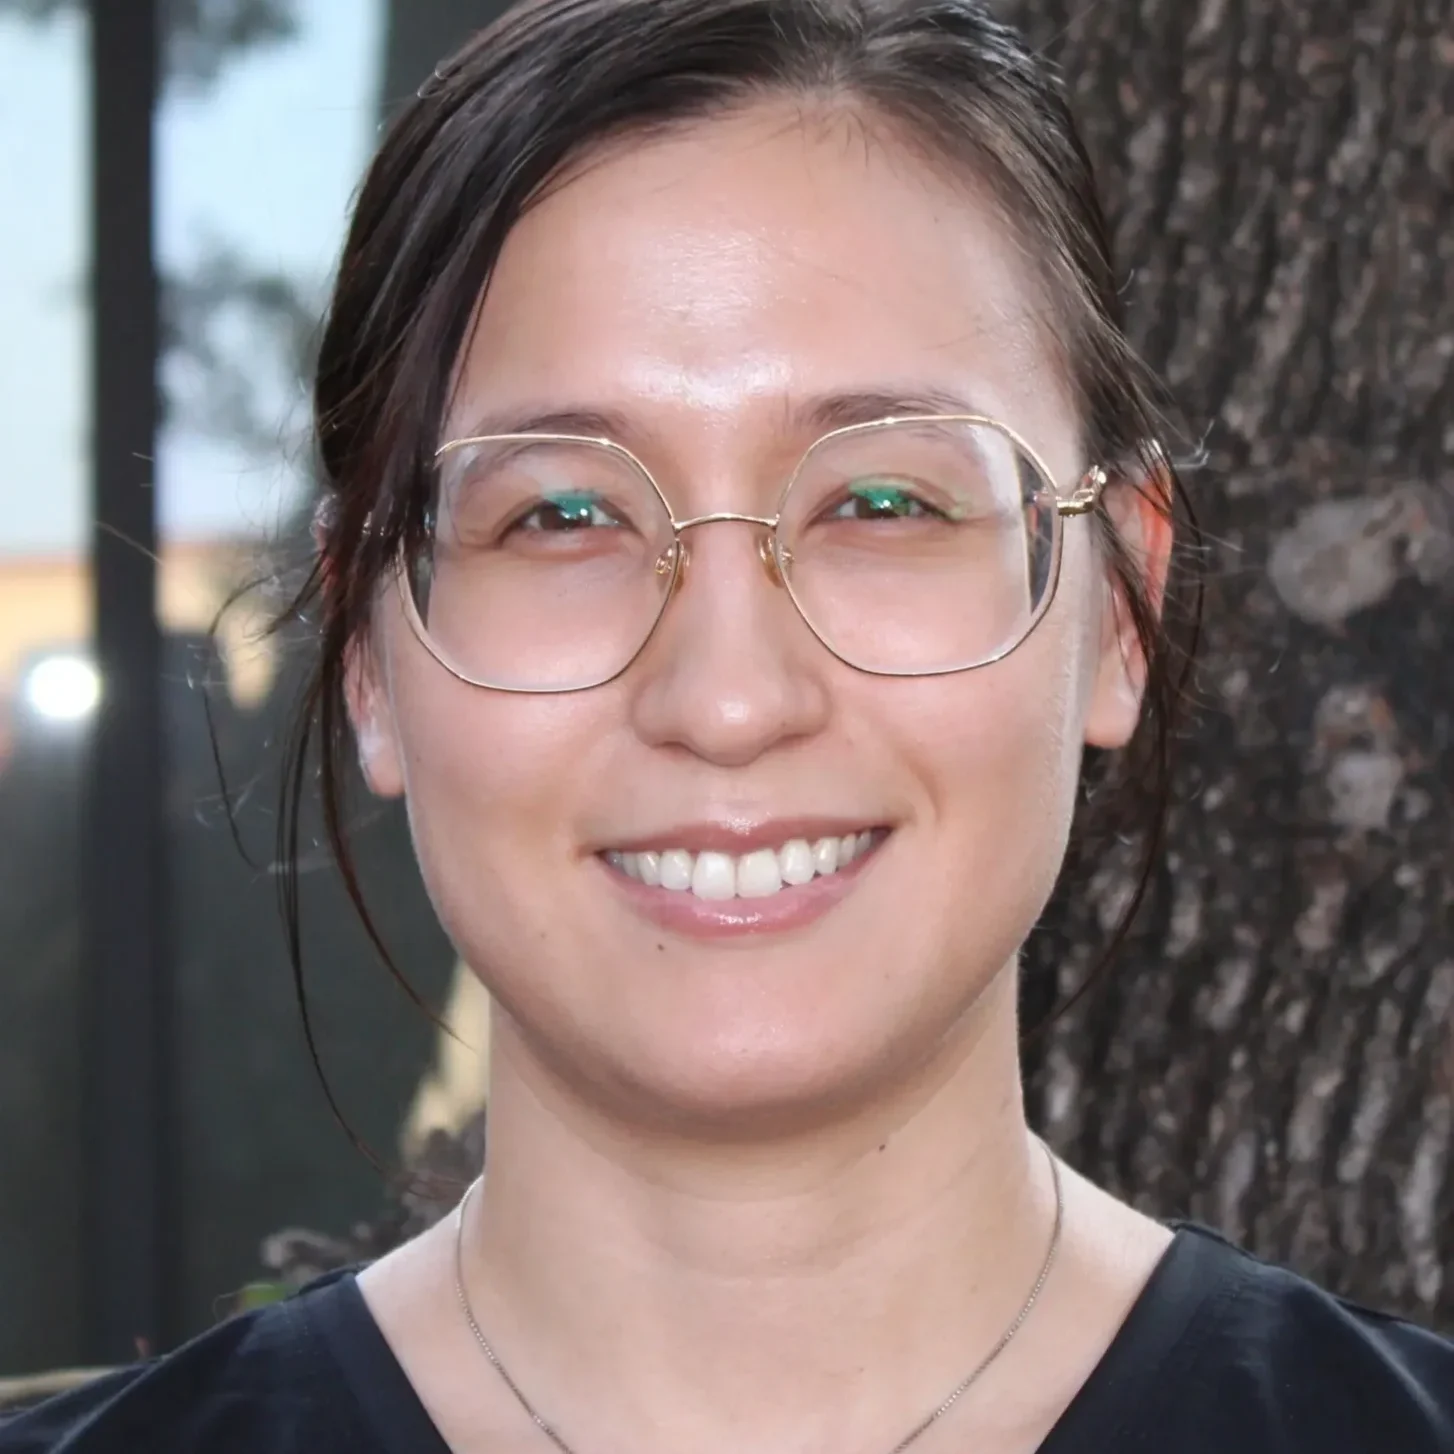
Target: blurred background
x=146 y=1005
x=1274 y=1053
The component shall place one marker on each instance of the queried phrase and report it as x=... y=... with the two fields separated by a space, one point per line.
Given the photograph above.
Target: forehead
x=736 y=265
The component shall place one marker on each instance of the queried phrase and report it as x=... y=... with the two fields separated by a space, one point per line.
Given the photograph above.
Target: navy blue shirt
x=1221 y=1354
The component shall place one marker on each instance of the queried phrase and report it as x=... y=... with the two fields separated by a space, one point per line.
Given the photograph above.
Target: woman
x=743 y=511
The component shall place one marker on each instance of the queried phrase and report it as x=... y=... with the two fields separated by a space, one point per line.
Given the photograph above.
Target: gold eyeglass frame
x=776 y=558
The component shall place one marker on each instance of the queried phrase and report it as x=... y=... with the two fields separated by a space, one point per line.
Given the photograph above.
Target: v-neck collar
x=1118 y=1407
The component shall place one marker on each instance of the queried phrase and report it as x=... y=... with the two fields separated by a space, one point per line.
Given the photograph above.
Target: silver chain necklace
x=958 y=1392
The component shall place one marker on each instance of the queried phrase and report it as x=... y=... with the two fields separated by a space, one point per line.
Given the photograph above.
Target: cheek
x=1000 y=754
x=490 y=783
x=1009 y=734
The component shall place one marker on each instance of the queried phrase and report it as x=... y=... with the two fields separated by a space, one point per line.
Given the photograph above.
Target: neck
x=821 y=1290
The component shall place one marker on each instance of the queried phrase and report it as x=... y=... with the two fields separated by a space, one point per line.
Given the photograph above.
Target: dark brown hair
x=556 y=78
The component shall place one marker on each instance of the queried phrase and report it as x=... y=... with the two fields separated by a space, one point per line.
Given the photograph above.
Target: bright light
x=63 y=688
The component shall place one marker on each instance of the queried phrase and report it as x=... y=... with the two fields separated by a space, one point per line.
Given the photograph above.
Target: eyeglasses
x=912 y=546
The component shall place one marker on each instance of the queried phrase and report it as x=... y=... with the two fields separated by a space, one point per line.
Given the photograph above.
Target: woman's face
x=709 y=291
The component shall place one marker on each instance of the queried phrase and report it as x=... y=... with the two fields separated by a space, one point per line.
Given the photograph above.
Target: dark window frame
x=129 y=1262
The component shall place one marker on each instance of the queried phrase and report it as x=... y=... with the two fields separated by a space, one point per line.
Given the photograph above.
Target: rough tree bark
x=1274 y=1054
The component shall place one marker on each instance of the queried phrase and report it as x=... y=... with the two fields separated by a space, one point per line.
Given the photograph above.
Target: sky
x=263 y=162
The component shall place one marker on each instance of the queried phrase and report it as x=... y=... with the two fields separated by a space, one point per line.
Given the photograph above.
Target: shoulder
x=1267 y=1352
x=262 y=1380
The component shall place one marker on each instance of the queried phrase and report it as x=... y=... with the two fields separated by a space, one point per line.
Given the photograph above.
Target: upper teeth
x=752 y=875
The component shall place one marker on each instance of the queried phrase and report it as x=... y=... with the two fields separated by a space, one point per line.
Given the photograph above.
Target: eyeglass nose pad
x=773 y=561
x=672 y=562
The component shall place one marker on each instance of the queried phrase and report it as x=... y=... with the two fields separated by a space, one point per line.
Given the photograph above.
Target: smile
x=759 y=874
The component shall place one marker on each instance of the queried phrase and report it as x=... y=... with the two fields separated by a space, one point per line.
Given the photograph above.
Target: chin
x=779 y=1073
x=725 y=1039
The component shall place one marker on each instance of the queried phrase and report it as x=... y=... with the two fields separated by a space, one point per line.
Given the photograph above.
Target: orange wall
x=45 y=602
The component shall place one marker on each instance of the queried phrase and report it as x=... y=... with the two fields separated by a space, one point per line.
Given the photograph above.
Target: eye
x=567 y=511
x=879 y=498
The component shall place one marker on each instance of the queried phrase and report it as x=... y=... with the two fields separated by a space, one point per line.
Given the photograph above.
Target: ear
x=371 y=714
x=365 y=685
x=1140 y=511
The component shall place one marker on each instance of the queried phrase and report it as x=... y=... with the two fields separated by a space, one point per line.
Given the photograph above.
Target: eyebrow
x=824 y=412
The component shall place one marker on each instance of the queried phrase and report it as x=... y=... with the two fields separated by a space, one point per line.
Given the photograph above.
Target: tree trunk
x=1274 y=1052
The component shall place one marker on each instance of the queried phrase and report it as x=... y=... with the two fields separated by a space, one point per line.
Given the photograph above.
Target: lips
x=759 y=873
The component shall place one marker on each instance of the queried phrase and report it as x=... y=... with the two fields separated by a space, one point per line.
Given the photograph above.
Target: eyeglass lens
x=909 y=548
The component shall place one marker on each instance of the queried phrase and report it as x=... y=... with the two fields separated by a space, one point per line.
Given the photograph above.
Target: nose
x=732 y=671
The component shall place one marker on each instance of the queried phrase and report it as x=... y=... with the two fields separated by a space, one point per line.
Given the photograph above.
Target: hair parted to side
x=554 y=79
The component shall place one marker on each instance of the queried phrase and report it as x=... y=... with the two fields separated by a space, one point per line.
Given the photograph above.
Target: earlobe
x=371 y=716
x=1140 y=512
